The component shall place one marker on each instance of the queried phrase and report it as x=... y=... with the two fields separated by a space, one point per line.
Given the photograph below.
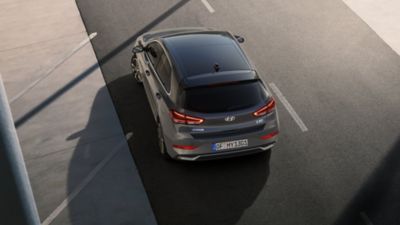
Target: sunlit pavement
x=76 y=154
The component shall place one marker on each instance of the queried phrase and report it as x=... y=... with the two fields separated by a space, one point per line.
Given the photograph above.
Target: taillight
x=266 y=108
x=185 y=119
x=185 y=147
x=270 y=135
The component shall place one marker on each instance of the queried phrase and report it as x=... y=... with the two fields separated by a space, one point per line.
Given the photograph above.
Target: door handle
x=147 y=73
x=158 y=95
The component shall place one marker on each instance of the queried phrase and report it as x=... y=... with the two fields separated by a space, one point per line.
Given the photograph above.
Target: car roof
x=207 y=57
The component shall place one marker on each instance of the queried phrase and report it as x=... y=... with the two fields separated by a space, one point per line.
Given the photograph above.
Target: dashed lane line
x=208 y=6
x=288 y=107
x=51 y=69
x=85 y=182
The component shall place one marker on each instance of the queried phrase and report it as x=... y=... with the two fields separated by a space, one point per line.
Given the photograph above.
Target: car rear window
x=223 y=98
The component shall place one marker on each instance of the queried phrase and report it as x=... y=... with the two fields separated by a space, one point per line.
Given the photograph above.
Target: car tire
x=161 y=142
x=135 y=69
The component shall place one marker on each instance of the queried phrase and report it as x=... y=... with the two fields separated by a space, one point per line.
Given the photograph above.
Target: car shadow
x=378 y=200
x=101 y=186
x=213 y=192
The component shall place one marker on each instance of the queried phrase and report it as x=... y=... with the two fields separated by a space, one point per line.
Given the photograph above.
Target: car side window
x=164 y=72
x=154 y=52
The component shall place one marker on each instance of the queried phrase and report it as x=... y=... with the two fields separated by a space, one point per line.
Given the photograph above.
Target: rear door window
x=164 y=72
x=160 y=63
x=154 y=52
x=230 y=97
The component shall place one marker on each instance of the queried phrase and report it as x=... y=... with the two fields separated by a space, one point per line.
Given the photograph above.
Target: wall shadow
x=101 y=61
x=379 y=197
x=203 y=193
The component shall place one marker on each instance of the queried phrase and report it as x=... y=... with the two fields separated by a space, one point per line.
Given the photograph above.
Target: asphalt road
x=339 y=76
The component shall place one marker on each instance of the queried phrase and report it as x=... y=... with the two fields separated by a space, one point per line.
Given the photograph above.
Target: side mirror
x=137 y=49
x=240 y=39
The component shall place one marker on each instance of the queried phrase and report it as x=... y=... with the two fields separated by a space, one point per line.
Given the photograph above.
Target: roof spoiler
x=219 y=78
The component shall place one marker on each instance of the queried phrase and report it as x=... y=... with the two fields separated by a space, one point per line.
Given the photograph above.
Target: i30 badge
x=230 y=118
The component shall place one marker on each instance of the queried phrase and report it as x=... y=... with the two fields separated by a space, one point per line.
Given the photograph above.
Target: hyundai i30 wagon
x=206 y=97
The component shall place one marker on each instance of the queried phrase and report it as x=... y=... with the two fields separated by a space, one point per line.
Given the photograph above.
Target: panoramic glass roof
x=195 y=54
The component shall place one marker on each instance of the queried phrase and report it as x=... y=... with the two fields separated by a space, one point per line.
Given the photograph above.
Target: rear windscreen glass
x=224 y=98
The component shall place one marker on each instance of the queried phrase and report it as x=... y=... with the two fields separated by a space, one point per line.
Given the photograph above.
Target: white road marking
x=51 y=69
x=365 y=218
x=382 y=16
x=208 y=6
x=85 y=182
x=288 y=107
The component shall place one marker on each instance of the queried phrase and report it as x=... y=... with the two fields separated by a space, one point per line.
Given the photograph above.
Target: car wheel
x=161 y=142
x=135 y=69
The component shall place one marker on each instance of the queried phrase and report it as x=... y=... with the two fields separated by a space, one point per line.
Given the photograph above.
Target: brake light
x=185 y=147
x=266 y=108
x=270 y=135
x=185 y=119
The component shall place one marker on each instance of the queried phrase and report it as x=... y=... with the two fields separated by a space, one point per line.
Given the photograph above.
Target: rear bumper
x=201 y=148
x=227 y=154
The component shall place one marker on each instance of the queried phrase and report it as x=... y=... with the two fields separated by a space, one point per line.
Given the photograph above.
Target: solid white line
x=85 y=182
x=288 y=107
x=365 y=218
x=51 y=69
x=208 y=6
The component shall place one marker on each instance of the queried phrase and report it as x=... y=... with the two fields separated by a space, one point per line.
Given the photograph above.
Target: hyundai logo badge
x=230 y=118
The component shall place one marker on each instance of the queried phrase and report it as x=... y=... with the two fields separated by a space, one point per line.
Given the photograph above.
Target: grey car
x=206 y=97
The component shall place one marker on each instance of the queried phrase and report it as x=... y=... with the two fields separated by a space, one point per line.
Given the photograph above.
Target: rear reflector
x=185 y=147
x=266 y=108
x=185 y=119
x=270 y=135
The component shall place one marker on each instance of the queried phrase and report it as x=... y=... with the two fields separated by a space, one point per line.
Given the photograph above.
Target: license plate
x=230 y=145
